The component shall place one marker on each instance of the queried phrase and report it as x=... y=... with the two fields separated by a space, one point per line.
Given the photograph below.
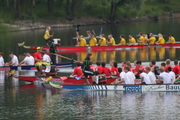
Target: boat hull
x=132 y=88
x=32 y=67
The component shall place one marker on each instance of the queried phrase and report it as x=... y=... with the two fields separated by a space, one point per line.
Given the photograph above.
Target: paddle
x=23 y=44
x=101 y=29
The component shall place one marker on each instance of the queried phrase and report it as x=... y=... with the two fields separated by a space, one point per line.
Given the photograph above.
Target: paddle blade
x=78 y=78
x=63 y=78
x=54 y=85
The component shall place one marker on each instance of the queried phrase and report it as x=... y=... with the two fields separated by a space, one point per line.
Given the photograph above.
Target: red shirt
x=139 y=67
x=176 y=69
x=92 y=68
x=166 y=68
x=116 y=70
x=38 y=56
x=78 y=71
x=106 y=71
x=132 y=69
x=100 y=69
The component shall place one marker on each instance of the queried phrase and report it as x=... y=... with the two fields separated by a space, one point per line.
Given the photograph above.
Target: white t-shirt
x=1 y=61
x=145 y=78
x=46 y=58
x=165 y=77
x=122 y=75
x=173 y=76
x=129 y=78
x=29 y=60
x=15 y=61
x=152 y=77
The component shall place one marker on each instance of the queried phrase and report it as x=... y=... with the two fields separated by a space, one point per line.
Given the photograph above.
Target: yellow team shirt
x=132 y=41
x=46 y=35
x=161 y=40
x=143 y=40
x=152 y=40
x=172 y=40
x=93 y=41
x=102 y=42
x=82 y=42
x=113 y=43
x=123 y=41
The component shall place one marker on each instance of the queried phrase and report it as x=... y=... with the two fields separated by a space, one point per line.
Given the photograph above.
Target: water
x=21 y=100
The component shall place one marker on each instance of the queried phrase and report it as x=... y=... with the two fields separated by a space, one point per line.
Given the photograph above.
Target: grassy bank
x=6 y=28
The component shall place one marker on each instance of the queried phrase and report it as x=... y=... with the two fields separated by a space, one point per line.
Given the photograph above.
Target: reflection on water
x=143 y=54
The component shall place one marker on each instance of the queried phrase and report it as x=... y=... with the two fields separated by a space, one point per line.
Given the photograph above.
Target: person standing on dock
x=47 y=35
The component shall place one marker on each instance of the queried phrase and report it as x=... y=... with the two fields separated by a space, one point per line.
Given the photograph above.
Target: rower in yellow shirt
x=171 y=39
x=93 y=40
x=152 y=39
x=132 y=41
x=122 y=40
x=111 y=40
x=81 y=41
x=160 y=39
x=102 y=41
x=142 y=39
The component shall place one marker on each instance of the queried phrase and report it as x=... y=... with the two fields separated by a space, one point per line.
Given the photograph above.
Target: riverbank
x=83 y=21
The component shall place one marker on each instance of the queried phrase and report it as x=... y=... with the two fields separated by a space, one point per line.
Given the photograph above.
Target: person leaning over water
x=47 y=35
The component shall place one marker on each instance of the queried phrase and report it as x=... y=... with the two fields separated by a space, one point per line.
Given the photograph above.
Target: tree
x=50 y=5
x=72 y=8
x=118 y=3
x=16 y=9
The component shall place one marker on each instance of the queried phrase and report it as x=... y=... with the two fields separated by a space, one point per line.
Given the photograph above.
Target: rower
x=172 y=75
x=99 y=67
x=102 y=41
x=154 y=67
x=171 y=39
x=151 y=75
x=176 y=68
x=46 y=57
x=144 y=77
x=81 y=41
x=138 y=67
x=47 y=35
x=168 y=61
x=77 y=71
x=114 y=70
x=93 y=40
x=1 y=59
x=152 y=39
x=132 y=41
x=39 y=61
x=106 y=70
x=164 y=77
x=111 y=40
x=14 y=60
x=122 y=40
x=141 y=39
x=28 y=60
x=160 y=39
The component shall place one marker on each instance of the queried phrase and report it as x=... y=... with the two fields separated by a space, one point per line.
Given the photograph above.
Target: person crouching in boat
x=152 y=39
x=160 y=39
x=132 y=41
x=111 y=40
x=77 y=71
x=171 y=39
x=93 y=40
x=81 y=41
x=47 y=35
x=28 y=60
x=122 y=40
x=39 y=61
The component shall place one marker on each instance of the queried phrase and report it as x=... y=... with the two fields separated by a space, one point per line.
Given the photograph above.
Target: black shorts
x=88 y=72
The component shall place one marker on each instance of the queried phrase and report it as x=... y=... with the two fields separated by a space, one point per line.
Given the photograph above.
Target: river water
x=21 y=100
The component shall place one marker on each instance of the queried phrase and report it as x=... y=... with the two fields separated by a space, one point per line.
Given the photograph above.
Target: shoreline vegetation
x=38 y=14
